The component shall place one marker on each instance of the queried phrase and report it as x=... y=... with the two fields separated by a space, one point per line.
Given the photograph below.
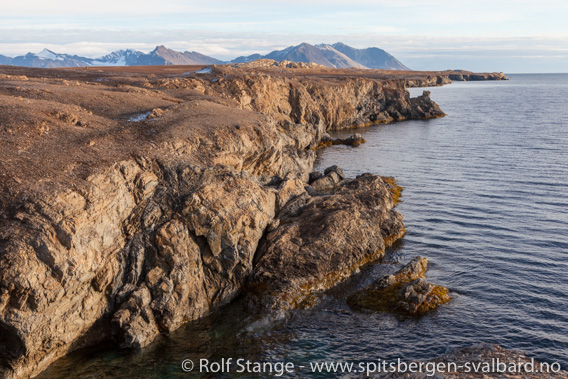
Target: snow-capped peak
x=48 y=54
x=117 y=58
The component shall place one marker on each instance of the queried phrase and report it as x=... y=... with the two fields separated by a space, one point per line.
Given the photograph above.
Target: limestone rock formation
x=404 y=292
x=317 y=240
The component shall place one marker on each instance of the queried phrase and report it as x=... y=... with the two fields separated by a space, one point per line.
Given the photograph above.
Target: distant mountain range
x=337 y=55
x=160 y=56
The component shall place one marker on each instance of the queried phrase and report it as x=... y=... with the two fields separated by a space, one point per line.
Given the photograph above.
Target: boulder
x=332 y=177
x=353 y=140
x=336 y=169
x=404 y=292
x=134 y=324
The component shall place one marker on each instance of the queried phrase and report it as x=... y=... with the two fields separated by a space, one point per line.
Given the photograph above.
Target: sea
x=485 y=200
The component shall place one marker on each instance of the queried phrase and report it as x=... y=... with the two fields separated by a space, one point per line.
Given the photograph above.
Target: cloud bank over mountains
x=482 y=35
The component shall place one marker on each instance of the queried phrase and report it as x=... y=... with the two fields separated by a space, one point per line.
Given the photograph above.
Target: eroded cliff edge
x=132 y=203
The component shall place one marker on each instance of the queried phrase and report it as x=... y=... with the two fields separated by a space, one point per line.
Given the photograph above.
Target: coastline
x=103 y=234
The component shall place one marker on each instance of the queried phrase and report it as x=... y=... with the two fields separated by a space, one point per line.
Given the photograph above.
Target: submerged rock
x=404 y=292
x=319 y=240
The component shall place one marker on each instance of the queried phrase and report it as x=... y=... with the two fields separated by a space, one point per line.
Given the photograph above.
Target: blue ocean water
x=485 y=200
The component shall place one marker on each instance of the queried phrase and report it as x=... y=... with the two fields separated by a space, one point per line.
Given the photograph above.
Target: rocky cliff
x=446 y=77
x=326 y=103
x=132 y=203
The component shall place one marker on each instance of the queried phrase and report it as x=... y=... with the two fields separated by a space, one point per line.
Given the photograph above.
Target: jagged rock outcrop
x=429 y=81
x=200 y=255
x=319 y=239
x=325 y=182
x=326 y=104
x=470 y=76
x=404 y=292
x=113 y=229
x=420 y=108
x=446 y=77
x=154 y=248
x=353 y=140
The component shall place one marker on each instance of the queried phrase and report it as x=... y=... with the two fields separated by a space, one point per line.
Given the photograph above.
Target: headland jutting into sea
x=134 y=200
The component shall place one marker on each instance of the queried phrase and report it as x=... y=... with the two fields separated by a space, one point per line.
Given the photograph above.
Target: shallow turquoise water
x=485 y=199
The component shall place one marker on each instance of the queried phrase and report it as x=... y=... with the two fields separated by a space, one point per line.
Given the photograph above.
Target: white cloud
x=415 y=31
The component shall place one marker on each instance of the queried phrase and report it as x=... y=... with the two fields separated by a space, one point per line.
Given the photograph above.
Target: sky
x=483 y=35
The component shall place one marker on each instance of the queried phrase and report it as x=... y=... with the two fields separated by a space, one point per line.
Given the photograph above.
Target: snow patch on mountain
x=48 y=54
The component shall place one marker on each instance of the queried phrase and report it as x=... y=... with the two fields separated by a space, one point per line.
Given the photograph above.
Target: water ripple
x=485 y=199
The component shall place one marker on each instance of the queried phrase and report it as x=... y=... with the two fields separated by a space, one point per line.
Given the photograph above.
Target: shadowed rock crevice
x=11 y=346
